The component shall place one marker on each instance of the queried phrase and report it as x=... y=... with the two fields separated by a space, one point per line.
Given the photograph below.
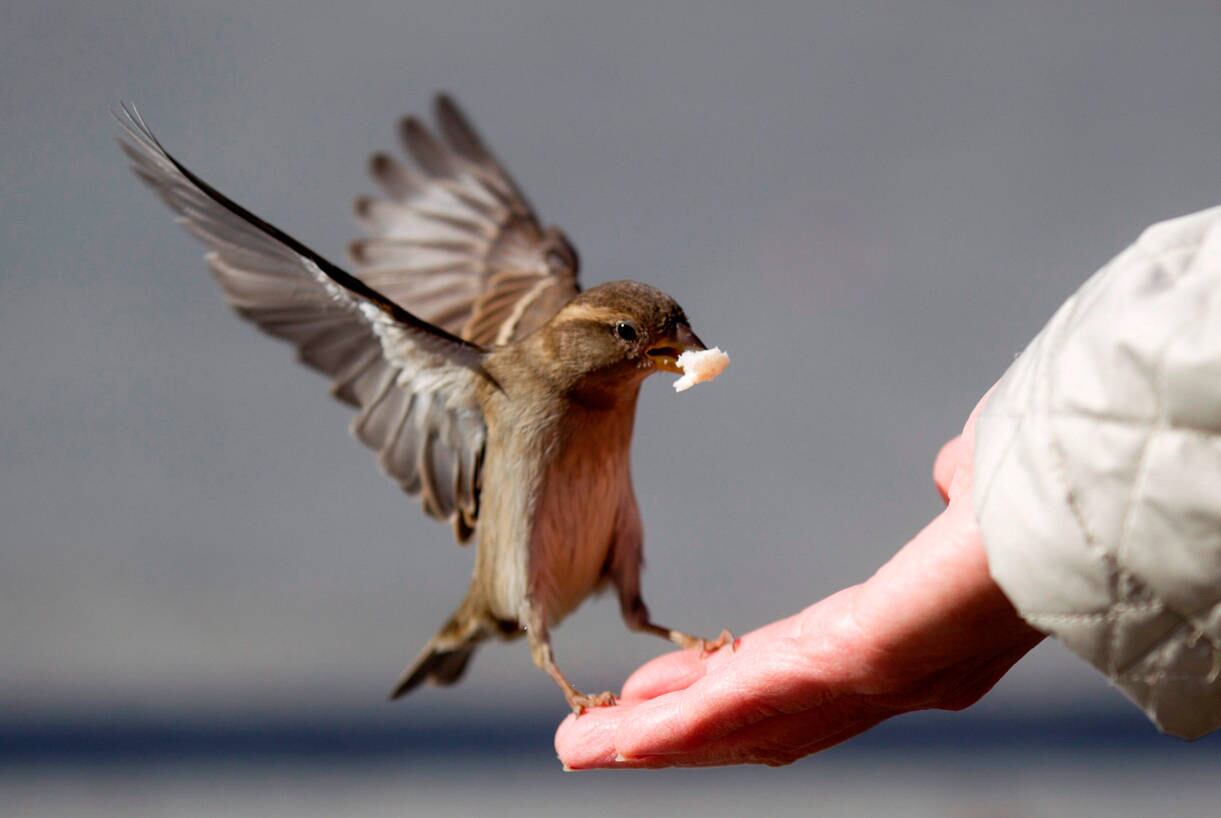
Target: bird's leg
x=624 y=572
x=636 y=616
x=544 y=658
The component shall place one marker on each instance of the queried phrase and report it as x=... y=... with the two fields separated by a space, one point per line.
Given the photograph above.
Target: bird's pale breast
x=583 y=489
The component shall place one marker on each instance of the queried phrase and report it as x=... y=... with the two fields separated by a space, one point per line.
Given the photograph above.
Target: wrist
x=934 y=607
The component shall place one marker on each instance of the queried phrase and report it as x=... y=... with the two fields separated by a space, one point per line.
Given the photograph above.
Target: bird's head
x=611 y=337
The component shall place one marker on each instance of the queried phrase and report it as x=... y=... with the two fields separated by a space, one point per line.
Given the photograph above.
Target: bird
x=485 y=379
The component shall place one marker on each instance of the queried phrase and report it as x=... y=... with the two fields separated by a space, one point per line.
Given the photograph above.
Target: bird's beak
x=664 y=354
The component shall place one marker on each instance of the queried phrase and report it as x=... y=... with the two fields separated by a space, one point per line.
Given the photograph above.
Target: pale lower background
x=920 y=789
x=872 y=206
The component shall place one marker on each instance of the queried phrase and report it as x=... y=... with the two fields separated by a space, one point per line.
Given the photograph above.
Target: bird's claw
x=707 y=647
x=582 y=702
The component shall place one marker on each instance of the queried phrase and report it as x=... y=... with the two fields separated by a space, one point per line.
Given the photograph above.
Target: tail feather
x=445 y=658
x=441 y=666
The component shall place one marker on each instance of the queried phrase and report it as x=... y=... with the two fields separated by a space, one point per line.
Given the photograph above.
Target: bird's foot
x=580 y=702
x=707 y=647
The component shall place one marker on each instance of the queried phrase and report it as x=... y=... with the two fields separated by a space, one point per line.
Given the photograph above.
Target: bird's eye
x=626 y=331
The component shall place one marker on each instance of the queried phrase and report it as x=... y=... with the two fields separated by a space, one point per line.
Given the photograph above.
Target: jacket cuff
x=1098 y=475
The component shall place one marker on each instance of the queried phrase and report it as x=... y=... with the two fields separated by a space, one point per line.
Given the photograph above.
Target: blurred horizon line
x=118 y=737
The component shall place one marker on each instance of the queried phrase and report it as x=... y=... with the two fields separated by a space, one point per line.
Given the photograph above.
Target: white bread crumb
x=700 y=366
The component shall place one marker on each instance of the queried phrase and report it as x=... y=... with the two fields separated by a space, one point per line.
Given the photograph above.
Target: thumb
x=948 y=461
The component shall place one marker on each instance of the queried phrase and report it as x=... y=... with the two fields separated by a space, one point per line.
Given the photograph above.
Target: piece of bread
x=700 y=366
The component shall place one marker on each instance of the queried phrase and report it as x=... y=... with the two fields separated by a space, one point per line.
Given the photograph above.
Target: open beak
x=664 y=354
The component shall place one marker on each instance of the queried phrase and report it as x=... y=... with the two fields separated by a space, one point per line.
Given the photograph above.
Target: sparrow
x=485 y=380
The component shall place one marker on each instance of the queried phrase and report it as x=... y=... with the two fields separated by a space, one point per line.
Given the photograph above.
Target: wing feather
x=415 y=385
x=460 y=219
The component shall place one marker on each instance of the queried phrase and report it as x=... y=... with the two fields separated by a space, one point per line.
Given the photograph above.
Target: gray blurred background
x=872 y=206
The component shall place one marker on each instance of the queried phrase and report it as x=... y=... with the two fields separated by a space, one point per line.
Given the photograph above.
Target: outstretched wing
x=457 y=242
x=414 y=384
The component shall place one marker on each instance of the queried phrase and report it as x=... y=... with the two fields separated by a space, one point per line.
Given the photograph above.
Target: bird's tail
x=445 y=658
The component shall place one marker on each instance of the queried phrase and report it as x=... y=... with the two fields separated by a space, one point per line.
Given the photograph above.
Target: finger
x=954 y=465
x=948 y=461
x=778 y=741
x=665 y=674
x=775 y=741
x=756 y=683
x=967 y=459
x=681 y=669
x=588 y=740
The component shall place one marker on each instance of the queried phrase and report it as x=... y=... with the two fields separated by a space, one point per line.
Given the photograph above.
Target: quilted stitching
x=1078 y=559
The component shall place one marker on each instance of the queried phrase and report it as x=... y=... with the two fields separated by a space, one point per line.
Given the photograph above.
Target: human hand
x=929 y=630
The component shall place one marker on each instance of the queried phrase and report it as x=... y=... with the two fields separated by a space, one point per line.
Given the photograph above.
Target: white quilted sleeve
x=1098 y=474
